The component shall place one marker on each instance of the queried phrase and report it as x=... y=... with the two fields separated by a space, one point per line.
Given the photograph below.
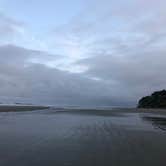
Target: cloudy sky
x=82 y=52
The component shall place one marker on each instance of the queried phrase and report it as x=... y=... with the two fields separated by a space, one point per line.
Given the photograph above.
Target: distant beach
x=20 y=108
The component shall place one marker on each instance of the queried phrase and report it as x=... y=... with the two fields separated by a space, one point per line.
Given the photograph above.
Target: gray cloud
x=8 y=26
x=126 y=45
x=22 y=79
x=139 y=73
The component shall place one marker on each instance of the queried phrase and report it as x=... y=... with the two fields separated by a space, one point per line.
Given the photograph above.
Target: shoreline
x=21 y=108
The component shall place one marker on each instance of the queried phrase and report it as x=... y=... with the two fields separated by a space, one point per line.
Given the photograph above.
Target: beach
x=117 y=137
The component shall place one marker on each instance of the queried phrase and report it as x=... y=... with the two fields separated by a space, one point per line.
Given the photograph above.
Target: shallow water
x=77 y=138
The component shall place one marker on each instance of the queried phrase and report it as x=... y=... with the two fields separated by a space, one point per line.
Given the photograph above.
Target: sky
x=82 y=52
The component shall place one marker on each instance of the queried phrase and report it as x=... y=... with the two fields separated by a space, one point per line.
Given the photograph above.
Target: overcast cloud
x=103 y=53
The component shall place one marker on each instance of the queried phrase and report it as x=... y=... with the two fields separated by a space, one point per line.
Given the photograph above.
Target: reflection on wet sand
x=79 y=138
x=157 y=122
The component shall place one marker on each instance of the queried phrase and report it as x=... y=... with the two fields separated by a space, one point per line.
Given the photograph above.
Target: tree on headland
x=156 y=100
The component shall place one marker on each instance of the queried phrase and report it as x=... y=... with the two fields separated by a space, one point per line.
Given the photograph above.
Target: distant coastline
x=20 y=108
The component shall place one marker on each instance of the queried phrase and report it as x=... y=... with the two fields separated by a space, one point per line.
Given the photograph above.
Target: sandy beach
x=123 y=137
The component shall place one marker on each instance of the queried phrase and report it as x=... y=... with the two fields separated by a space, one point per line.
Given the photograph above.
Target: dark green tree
x=156 y=100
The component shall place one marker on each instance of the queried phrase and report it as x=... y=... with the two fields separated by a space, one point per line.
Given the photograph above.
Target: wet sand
x=50 y=137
